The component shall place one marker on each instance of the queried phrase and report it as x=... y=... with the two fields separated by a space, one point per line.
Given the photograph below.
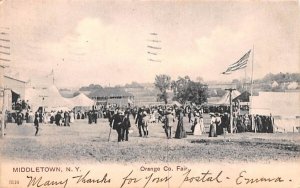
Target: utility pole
x=231 y=111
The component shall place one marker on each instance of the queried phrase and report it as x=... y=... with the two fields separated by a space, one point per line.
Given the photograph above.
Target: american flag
x=240 y=64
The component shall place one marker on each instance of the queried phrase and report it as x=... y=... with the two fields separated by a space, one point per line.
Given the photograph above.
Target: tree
x=179 y=88
x=187 y=90
x=91 y=87
x=162 y=83
x=197 y=92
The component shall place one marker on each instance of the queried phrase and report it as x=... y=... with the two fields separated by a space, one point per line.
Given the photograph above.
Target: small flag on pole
x=240 y=64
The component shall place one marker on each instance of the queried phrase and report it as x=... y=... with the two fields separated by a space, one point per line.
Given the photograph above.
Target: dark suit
x=117 y=125
x=126 y=125
x=139 y=121
x=36 y=124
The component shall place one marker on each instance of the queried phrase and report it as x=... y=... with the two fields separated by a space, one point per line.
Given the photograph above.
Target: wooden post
x=231 y=111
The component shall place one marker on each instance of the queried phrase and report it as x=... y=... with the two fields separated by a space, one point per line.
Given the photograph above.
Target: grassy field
x=89 y=143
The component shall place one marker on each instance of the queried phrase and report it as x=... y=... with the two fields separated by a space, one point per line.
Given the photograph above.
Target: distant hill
x=146 y=92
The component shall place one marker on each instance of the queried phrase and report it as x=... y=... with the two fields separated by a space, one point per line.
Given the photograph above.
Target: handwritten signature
x=154 y=178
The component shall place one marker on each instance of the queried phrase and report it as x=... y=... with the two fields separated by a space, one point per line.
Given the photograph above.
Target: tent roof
x=48 y=97
x=244 y=97
x=225 y=99
x=82 y=100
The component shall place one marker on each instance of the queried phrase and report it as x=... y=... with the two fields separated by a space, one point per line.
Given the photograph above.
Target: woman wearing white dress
x=72 y=118
x=202 y=128
x=197 y=128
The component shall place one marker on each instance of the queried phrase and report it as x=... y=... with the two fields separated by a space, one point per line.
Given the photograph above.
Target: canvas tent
x=284 y=104
x=82 y=100
x=46 y=97
x=225 y=99
x=244 y=97
x=284 y=107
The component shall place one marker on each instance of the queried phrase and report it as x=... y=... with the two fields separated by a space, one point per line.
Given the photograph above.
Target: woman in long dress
x=72 y=119
x=201 y=122
x=197 y=127
x=212 y=128
x=180 y=131
x=219 y=129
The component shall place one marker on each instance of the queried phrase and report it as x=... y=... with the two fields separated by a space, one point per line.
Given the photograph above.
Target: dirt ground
x=89 y=143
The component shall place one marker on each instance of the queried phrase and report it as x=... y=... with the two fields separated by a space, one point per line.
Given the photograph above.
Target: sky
x=105 y=42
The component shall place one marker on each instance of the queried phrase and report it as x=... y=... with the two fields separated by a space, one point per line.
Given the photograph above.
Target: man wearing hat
x=126 y=125
x=225 y=122
x=169 y=120
x=117 y=124
x=145 y=124
x=139 y=122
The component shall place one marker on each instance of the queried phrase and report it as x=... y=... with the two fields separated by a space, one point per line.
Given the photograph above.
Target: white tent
x=46 y=97
x=225 y=98
x=82 y=100
x=284 y=107
x=285 y=104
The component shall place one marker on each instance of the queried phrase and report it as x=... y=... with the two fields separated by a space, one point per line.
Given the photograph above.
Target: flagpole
x=251 y=92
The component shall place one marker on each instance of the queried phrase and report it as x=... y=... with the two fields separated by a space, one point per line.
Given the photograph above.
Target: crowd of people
x=170 y=117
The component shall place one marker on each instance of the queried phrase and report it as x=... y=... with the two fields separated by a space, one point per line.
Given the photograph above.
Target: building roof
x=244 y=97
x=224 y=100
x=110 y=92
x=14 y=79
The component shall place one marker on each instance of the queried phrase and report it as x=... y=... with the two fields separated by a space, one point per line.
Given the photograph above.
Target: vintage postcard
x=149 y=94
